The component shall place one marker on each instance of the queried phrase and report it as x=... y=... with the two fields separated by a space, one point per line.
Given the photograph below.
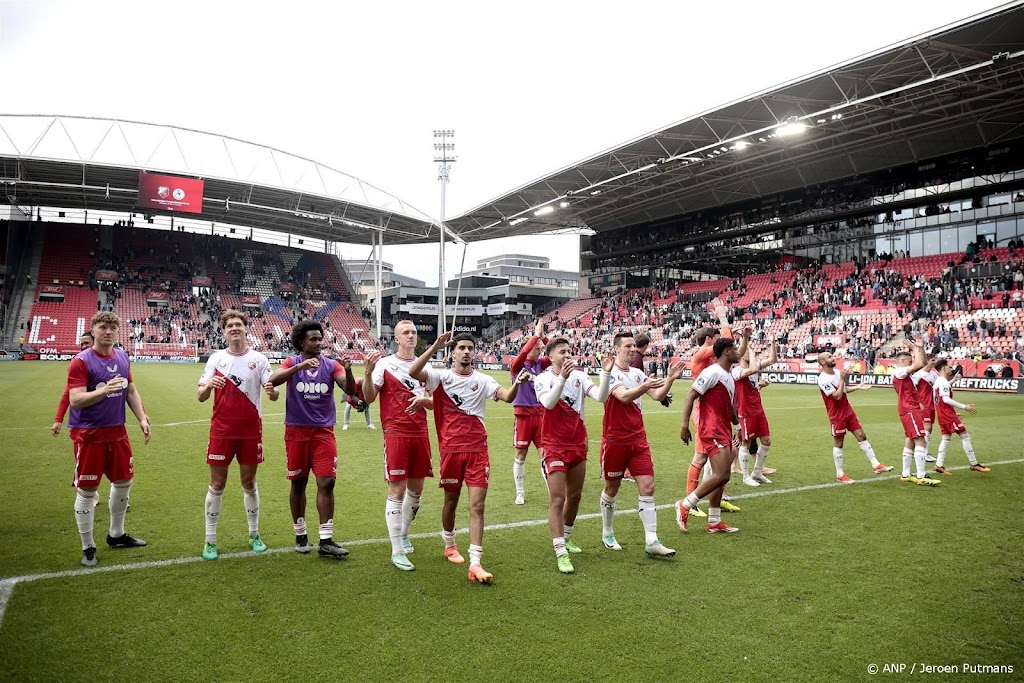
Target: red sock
x=693 y=478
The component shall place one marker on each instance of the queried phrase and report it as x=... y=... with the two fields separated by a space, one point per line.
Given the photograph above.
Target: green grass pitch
x=819 y=584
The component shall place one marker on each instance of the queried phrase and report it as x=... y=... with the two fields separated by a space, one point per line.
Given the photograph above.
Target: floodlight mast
x=444 y=154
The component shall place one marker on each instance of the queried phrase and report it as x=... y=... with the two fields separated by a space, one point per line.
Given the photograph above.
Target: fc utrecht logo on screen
x=163 y=192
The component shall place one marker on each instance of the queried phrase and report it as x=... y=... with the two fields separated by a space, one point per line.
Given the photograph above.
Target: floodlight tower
x=444 y=154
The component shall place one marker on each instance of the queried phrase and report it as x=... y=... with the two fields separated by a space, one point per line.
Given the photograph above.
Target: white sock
x=559 y=544
x=943 y=448
x=908 y=460
x=649 y=518
x=919 y=460
x=410 y=506
x=252 y=509
x=691 y=501
x=927 y=442
x=965 y=441
x=519 y=475
x=475 y=553
x=745 y=461
x=327 y=530
x=214 y=499
x=865 y=446
x=85 y=516
x=567 y=531
x=762 y=455
x=714 y=516
x=837 y=458
x=448 y=537
x=607 y=514
x=118 y=508
x=393 y=520
x=300 y=526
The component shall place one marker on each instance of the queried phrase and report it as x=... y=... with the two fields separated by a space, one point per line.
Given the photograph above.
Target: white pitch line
x=7 y=585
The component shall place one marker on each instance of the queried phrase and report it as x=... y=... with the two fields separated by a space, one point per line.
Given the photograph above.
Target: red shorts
x=754 y=427
x=473 y=467
x=407 y=457
x=929 y=416
x=952 y=427
x=93 y=459
x=913 y=424
x=847 y=423
x=562 y=460
x=526 y=430
x=713 y=443
x=304 y=452
x=617 y=458
x=222 y=451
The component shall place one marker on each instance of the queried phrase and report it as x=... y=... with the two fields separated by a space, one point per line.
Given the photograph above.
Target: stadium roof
x=91 y=163
x=957 y=88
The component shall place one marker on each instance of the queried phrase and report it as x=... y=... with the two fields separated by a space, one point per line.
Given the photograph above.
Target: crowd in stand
x=809 y=295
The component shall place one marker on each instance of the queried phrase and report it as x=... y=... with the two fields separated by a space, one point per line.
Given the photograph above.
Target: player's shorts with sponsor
x=913 y=424
x=619 y=457
x=472 y=467
x=97 y=458
x=845 y=423
x=713 y=442
x=223 y=451
x=310 y=449
x=948 y=427
x=754 y=427
x=407 y=456
x=562 y=459
x=526 y=430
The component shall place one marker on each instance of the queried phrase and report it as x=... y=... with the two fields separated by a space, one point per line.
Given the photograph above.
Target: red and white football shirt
x=563 y=427
x=838 y=409
x=396 y=388
x=925 y=389
x=459 y=402
x=748 y=393
x=237 y=408
x=908 y=400
x=718 y=394
x=624 y=422
x=943 y=389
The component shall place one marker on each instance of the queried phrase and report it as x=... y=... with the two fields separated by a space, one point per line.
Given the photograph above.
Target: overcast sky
x=528 y=86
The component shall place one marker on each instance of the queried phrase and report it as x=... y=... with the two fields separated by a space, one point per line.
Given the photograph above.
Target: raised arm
x=605 y=380
x=348 y=385
x=283 y=374
x=509 y=395
x=520 y=360
x=418 y=369
x=369 y=363
x=675 y=371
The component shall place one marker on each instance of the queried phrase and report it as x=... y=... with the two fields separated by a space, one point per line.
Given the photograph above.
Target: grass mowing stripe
x=7 y=585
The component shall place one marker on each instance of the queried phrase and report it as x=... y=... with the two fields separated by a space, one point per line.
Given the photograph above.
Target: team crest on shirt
x=252 y=365
x=576 y=384
x=474 y=387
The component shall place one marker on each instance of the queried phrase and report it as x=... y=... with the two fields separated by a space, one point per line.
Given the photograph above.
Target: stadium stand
x=155 y=264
